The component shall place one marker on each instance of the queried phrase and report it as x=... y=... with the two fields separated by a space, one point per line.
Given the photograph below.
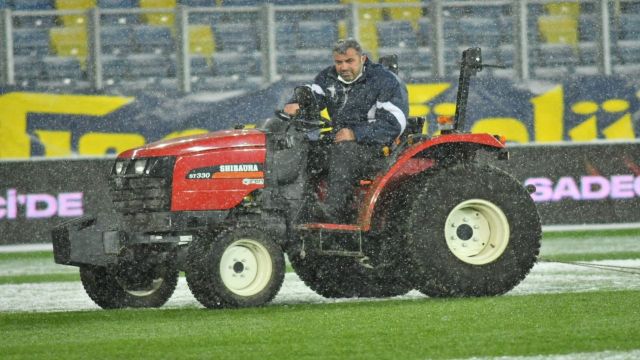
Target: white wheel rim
x=155 y=285
x=245 y=267
x=477 y=232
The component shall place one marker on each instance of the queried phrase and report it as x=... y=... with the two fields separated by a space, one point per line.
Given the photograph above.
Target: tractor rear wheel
x=238 y=267
x=473 y=230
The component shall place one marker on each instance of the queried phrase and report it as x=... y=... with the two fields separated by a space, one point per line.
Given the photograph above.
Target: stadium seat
x=235 y=64
x=241 y=37
x=198 y=3
x=411 y=14
x=4 y=4
x=369 y=37
x=117 y=40
x=74 y=20
x=37 y=20
x=629 y=51
x=629 y=27
x=153 y=39
x=557 y=55
x=310 y=62
x=147 y=66
x=367 y=14
x=69 y=41
x=28 y=68
x=317 y=34
x=287 y=36
x=396 y=34
x=423 y=34
x=571 y=9
x=483 y=32
x=158 y=18
x=114 y=69
x=31 y=42
x=558 y=29
x=118 y=19
x=62 y=68
x=201 y=41
x=200 y=66
x=588 y=28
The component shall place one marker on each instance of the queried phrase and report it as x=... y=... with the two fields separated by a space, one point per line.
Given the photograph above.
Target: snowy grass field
x=560 y=311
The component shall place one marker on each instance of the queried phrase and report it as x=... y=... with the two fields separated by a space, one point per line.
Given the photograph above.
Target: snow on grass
x=601 y=355
x=544 y=278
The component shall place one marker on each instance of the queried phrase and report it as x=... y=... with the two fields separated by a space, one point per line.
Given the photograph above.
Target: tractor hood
x=198 y=143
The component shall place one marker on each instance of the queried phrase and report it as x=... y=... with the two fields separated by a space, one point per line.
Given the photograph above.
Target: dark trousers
x=349 y=162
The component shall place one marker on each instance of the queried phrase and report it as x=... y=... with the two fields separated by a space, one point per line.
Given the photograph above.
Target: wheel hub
x=245 y=267
x=477 y=231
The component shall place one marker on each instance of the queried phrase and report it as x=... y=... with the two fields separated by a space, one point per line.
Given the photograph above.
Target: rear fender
x=419 y=158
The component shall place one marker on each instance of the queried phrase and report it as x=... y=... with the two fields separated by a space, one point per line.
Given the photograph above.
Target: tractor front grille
x=147 y=191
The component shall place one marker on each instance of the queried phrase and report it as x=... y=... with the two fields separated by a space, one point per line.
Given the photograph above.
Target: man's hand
x=345 y=134
x=292 y=108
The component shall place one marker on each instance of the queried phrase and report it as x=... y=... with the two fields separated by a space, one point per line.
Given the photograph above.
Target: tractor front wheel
x=238 y=267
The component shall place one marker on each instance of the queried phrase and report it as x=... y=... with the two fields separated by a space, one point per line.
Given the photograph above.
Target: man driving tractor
x=368 y=107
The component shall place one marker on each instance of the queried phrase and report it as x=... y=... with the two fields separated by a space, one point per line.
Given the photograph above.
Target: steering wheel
x=301 y=119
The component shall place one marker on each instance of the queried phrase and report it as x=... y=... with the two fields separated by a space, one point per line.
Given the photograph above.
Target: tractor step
x=332 y=239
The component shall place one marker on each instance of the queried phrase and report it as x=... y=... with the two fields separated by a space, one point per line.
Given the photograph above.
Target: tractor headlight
x=119 y=167
x=139 y=166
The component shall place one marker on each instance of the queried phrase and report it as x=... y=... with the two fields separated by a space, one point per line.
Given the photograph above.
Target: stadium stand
x=563 y=37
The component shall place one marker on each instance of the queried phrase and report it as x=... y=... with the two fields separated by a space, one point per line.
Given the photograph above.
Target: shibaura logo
x=39 y=206
x=228 y=171
x=615 y=187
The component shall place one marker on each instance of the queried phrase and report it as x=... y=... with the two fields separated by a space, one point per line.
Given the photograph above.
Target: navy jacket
x=375 y=106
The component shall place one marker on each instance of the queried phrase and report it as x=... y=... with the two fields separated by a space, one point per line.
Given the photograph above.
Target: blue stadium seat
x=483 y=32
x=200 y=66
x=408 y=59
x=146 y=66
x=114 y=69
x=287 y=35
x=153 y=39
x=28 y=68
x=396 y=34
x=117 y=40
x=587 y=28
x=311 y=62
x=29 y=21
x=31 y=42
x=4 y=4
x=556 y=55
x=62 y=68
x=629 y=27
x=241 y=37
x=424 y=31
x=317 y=34
x=629 y=51
x=198 y=3
x=118 y=19
x=235 y=64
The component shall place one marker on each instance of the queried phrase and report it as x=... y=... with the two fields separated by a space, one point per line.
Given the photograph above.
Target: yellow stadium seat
x=571 y=9
x=201 y=40
x=75 y=20
x=411 y=14
x=165 y=19
x=367 y=14
x=369 y=38
x=558 y=29
x=69 y=41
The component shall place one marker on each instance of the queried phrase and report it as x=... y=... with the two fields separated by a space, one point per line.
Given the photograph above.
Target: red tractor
x=226 y=206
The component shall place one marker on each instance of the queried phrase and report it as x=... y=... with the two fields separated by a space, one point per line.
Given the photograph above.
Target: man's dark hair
x=341 y=46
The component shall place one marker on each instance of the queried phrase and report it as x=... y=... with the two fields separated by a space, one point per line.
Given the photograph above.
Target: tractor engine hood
x=181 y=146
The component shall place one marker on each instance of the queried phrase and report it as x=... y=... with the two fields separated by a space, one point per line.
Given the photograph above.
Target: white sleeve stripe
x=395 y=111
x=316 y=89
